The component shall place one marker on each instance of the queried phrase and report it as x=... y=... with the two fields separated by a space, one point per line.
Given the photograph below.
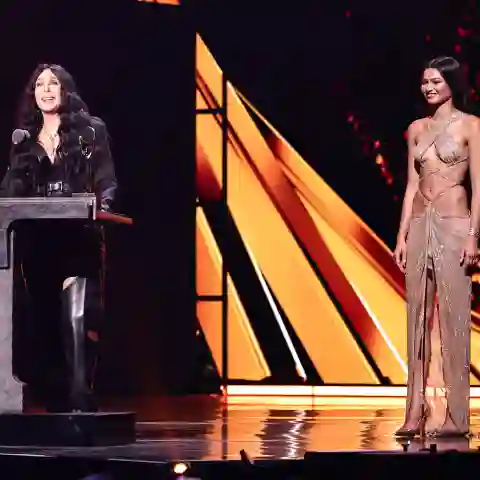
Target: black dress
x=50 y=330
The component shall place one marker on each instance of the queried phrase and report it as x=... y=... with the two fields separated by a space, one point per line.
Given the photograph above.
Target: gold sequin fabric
x=438 y=294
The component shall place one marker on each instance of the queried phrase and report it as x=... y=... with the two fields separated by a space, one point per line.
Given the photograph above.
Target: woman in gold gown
x=436 y=245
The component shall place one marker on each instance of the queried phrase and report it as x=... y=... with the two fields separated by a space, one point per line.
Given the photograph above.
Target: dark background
x=134 y=66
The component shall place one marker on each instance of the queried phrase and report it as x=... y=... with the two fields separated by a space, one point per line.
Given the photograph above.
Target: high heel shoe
x=404 y=432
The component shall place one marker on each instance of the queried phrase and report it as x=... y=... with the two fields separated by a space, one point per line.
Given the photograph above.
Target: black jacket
x=29 y=166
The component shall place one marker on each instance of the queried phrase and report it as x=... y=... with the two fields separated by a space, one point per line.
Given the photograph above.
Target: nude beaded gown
x=438 y=292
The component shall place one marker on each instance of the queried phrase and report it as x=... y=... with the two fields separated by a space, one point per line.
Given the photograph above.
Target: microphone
x=19 y=136
x=88 y=136
x=87 y=145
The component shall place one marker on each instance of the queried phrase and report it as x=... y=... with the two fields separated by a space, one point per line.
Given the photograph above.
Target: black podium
x=54 y=429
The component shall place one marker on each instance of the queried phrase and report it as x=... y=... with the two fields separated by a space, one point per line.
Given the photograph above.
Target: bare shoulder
x=472 y=124
x=416 y=127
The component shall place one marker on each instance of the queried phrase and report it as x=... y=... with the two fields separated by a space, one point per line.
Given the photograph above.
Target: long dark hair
x=452 y=72
x=74 y=116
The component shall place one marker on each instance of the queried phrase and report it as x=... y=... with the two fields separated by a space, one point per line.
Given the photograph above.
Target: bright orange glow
x=245 y=360
x=386 y=307
x=366 y=307
x=308 y=306
x=278 y=202
x=475 y=353
x=287 y=201
x=324 y=395
x=329 y=204
x=161 y=2
x=320 y=403
x=341 y=226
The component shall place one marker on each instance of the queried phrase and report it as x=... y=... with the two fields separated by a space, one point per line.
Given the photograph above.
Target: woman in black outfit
x=59 y=264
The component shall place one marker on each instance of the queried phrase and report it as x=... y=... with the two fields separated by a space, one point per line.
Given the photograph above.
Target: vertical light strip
x=298 y=364
x=161 y=2
x=246 y=360
x=385 y=307
x=382 y=332
x=327 y=202
x=314 y=317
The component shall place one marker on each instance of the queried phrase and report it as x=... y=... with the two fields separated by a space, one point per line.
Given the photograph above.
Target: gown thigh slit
x=439 y=309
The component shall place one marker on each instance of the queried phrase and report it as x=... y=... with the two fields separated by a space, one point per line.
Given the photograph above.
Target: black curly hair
x=74 y=116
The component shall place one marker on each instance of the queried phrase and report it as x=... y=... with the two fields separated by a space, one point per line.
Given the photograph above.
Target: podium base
x=67 y=429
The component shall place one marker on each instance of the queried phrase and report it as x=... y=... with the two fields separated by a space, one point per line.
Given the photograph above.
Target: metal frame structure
x=222 y=111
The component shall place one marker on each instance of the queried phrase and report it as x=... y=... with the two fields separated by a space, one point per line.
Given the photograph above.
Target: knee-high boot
x=74 y=337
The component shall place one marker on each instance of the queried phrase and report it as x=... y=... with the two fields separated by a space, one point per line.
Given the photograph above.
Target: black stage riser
x=80 y=468
x=67 y=429
x=379 y=465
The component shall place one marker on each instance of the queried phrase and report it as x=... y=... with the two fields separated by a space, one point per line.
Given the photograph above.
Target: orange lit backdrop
x=162 y=2
x=275 y=198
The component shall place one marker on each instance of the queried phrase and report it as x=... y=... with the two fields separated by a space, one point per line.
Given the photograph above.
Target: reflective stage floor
x=205 y=428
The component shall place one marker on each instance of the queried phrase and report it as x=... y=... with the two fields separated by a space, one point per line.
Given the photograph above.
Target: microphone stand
x=88 y=149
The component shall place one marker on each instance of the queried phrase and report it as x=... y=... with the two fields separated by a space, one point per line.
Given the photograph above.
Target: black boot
x=73 y=327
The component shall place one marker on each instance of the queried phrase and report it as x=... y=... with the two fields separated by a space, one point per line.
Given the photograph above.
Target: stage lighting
x=180 y=468
x=181 y=471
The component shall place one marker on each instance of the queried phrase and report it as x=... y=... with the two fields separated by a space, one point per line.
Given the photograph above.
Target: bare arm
x=474 y=148
x=412 y=184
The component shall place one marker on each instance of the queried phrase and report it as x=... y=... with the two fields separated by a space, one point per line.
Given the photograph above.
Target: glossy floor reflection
x=203 y=428
x=283 y=433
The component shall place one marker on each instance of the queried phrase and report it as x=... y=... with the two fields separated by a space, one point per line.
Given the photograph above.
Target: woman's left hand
x=469 y=255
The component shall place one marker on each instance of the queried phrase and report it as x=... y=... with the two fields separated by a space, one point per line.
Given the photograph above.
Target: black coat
x=30 y=168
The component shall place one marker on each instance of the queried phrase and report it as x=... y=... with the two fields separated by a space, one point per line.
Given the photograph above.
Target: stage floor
x=204 y=428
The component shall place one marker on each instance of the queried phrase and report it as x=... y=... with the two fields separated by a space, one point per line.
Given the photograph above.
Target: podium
x=54 y=429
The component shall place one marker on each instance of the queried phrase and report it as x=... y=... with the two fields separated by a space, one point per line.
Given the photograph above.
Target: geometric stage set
x=335 y=300
x=301 y=310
